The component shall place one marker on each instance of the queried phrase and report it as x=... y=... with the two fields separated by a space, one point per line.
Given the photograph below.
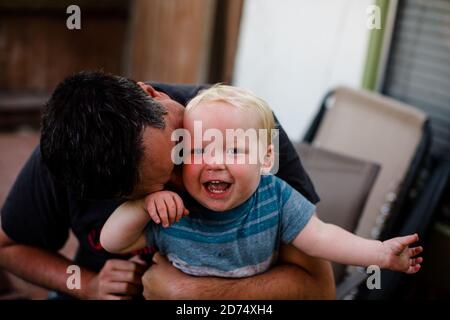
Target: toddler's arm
x=123 y=232
x=333 y=243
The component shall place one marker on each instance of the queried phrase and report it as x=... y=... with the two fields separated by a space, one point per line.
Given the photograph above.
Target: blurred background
x=296 y=54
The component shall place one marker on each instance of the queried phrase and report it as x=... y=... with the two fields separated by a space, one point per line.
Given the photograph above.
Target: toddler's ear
x=268 y=160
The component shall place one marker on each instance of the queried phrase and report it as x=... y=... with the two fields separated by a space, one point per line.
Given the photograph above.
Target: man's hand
x=163 y=281
x=118 y=280
x=298 y=276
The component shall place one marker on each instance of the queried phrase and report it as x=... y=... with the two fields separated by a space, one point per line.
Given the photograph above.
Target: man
x=105 y=139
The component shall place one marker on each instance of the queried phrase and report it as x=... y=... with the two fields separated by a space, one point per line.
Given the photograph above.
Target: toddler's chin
x=218 y=207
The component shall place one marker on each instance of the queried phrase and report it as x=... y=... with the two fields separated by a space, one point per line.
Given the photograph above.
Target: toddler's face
x=224 y=180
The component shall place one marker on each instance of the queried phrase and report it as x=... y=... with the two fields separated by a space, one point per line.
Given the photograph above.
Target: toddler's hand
x=165 y=207
x=399 y=257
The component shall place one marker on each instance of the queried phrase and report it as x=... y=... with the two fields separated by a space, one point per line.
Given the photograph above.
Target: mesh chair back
x=377 y=129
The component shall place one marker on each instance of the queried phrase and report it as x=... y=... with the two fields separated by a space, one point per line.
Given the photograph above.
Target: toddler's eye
x=197 y=151
x=233 y=151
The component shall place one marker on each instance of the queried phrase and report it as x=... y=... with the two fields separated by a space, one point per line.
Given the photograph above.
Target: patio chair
x=420 y=219
x=376 y=129
x=343 y=182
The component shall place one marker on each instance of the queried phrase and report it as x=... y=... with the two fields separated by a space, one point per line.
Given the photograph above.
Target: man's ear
x=268 y=160
x=149 y=89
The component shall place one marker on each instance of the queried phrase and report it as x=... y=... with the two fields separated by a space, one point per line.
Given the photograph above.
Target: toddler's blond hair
x=239 y=98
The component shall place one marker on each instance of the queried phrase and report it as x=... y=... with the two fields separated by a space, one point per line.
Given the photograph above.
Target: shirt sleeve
x=296 y=211
x=150 y=235
x=36 y=210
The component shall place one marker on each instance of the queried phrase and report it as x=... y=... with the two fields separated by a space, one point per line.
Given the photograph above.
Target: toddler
x=237 y=214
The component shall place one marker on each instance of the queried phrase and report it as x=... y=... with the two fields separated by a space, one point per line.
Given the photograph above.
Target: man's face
x=156 y=165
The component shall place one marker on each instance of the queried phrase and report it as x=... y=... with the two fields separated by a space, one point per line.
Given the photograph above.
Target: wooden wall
x=171 y=40
x=183 y=41
x=177 y=41
x=37 y=50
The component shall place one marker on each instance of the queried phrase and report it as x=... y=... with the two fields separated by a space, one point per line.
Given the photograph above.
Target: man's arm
x=47 y=269
x=118 y=279
x=34 y=226
x=298 y=277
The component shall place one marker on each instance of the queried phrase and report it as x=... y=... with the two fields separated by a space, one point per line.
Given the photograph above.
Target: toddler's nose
x=215 y=161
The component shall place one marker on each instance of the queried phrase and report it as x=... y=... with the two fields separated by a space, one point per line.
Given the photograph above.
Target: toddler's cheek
x=191 y=176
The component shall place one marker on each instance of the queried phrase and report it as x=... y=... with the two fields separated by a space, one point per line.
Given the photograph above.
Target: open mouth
x=217 y=188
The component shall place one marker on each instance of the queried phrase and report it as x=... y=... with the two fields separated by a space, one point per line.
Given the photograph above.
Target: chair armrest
x=349 y=284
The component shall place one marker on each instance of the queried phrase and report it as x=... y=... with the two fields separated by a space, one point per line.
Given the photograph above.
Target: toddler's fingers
x=415 y=261
x=162 y=212
x=180 y=206
x=185 y=212
x=171 y=209
x=407 y=240
x=151 y=209
x=415 y=251
x=413 y=269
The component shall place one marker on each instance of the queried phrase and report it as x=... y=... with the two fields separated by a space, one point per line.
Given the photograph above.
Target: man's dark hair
x=92 y=129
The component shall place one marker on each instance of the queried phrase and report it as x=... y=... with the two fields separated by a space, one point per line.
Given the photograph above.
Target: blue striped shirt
x=240 y=242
